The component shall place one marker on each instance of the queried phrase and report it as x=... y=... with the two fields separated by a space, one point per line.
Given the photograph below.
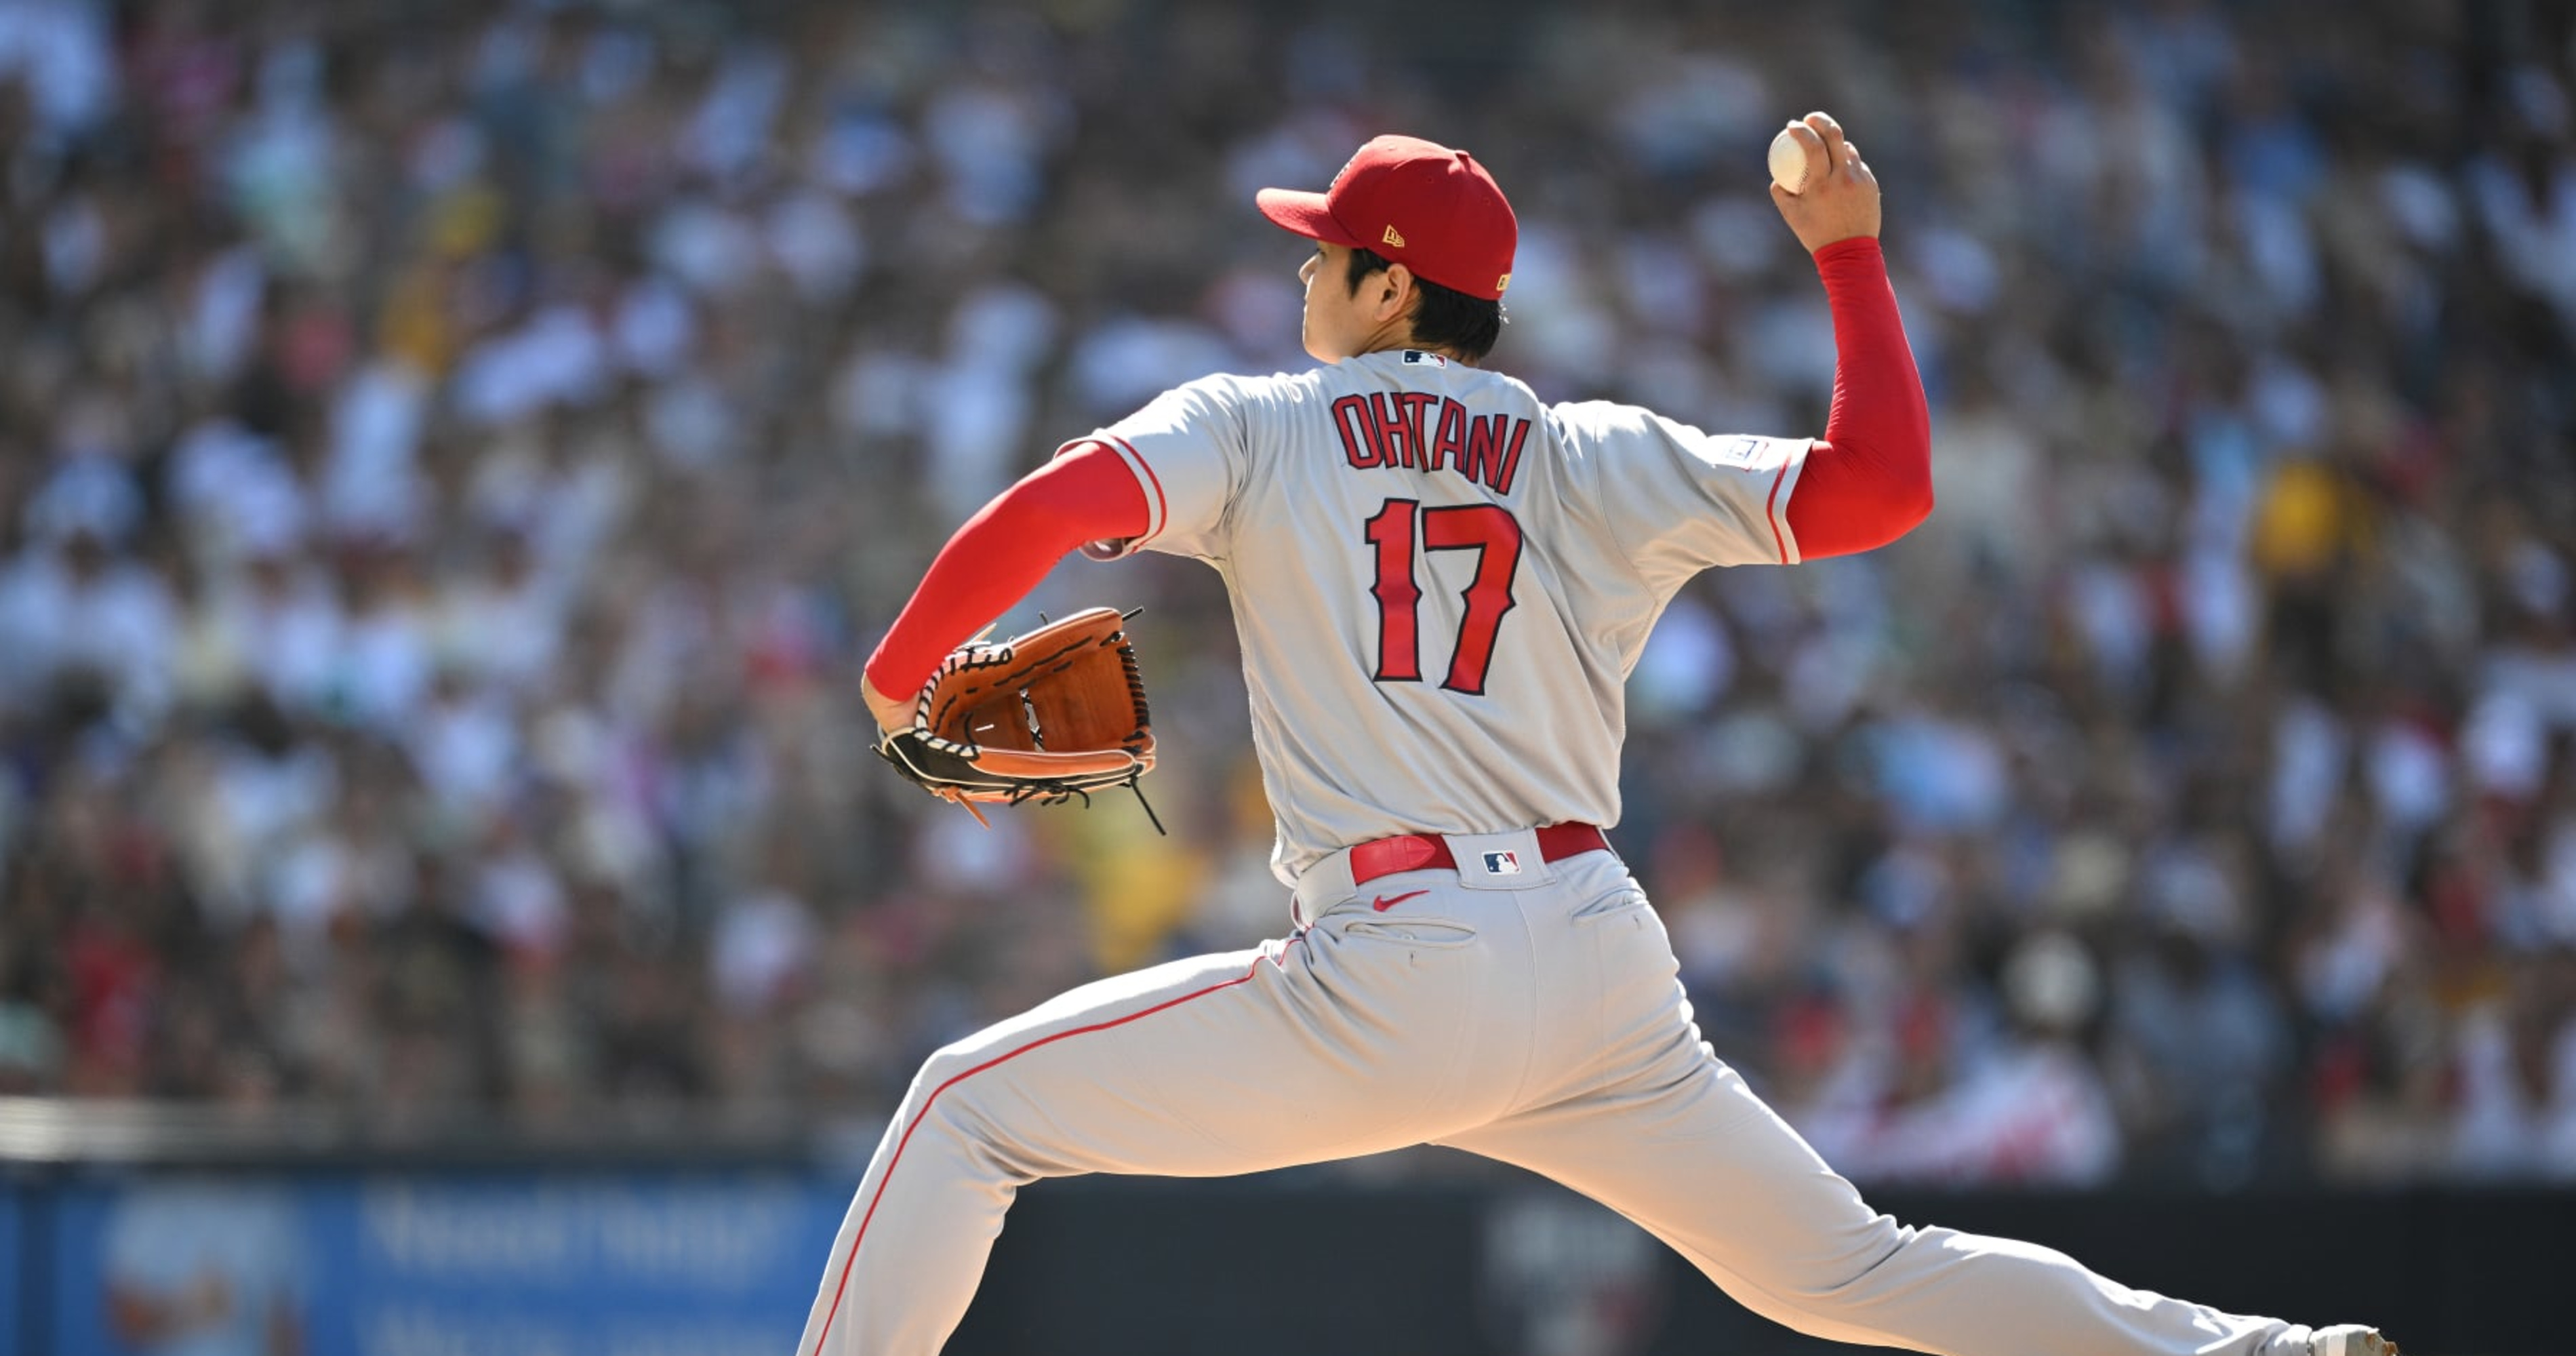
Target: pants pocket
x=1625 y=901
x=1437 y=933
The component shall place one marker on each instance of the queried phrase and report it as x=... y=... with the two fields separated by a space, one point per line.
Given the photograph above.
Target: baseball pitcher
x=1441 y=582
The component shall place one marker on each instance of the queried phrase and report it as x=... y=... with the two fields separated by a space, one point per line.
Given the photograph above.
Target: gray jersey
x=1441 y=583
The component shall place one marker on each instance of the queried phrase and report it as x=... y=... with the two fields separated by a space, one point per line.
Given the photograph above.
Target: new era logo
x=1502 y=864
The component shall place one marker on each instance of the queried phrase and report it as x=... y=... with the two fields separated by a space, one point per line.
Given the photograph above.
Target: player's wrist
x=1853 y=248
x=889 y=713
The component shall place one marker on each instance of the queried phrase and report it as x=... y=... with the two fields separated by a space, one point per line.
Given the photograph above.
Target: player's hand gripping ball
x=1824 y=190
x=1048 y=715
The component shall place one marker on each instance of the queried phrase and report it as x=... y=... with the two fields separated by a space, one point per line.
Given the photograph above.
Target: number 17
x=1487 y=529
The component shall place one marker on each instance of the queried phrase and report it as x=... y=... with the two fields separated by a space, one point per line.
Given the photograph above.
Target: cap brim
x=1305 y=213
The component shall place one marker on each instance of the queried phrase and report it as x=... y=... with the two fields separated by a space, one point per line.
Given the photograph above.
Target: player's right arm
x=1675 y=500
x=1868 y=481
x=1085 y=495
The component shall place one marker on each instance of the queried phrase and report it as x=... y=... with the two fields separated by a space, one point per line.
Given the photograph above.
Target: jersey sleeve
x=1676 y=500
x=1188 y=451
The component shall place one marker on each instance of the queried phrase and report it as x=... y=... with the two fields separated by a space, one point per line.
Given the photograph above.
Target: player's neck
x=1397 y=342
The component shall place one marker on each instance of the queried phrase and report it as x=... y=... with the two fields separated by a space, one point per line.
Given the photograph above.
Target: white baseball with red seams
x=1789 y=162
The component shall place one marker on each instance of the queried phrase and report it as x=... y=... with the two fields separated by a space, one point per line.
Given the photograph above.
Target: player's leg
x=1731 y=1187
x=1663 y=1132
x=1328 y=1045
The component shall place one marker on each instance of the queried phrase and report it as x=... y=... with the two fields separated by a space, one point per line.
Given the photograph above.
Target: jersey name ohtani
x=1426 y=431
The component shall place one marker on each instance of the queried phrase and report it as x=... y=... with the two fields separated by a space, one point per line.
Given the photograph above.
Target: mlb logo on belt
x=1502 y=864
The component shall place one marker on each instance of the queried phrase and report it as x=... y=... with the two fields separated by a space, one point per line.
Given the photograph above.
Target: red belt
x=1421 y=852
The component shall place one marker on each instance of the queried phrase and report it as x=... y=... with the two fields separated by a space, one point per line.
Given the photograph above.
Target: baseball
x=1788 y=162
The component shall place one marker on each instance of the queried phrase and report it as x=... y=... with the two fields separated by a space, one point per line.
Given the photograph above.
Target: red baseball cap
x=1432 y=209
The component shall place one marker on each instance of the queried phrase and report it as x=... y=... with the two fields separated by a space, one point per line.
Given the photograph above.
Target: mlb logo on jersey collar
x=1417 y=356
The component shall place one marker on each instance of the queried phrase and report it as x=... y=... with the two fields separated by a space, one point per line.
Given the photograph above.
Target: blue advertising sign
x=13 y=1314
x=507 y=1265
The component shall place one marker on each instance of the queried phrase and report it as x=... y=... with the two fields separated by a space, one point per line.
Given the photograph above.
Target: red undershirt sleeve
x=1869 y=481
x=1087 y=494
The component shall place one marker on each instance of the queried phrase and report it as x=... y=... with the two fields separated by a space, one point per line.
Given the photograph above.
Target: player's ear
x=1395 y=292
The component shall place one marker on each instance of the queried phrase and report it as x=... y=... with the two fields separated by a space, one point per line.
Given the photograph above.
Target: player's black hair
x=1443 y=317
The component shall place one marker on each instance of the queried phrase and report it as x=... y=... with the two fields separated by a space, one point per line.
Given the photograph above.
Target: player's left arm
x=993 y=561
x=1184 y=450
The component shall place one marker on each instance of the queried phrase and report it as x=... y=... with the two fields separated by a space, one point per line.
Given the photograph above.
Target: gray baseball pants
x=1533 y=1018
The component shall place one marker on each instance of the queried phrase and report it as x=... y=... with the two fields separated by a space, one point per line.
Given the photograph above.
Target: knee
x=961 y=1093
x=947 y=1080
x=947 y=1067
x=1828 y=1281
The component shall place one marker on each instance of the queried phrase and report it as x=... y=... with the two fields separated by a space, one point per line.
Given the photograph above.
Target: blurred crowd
x=455 y=457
